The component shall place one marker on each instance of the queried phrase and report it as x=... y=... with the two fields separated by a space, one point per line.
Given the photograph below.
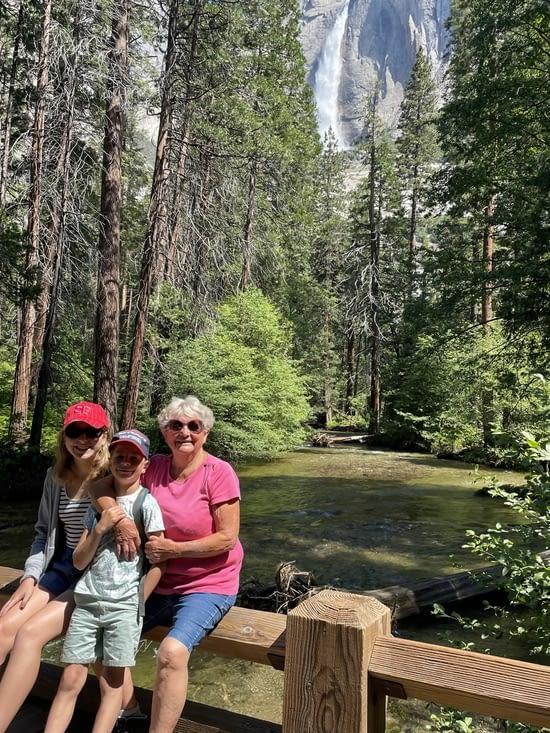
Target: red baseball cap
x=89 y=412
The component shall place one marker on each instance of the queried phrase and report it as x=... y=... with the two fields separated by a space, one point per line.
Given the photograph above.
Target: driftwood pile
x=292 y=586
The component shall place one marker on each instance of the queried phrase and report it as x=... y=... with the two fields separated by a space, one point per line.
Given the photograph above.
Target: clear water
x=355 y=518
x=360 y=519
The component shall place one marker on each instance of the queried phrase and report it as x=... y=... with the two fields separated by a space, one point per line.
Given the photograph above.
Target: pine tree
x=24 y=367
x=417 y=152
x=372 y=254
x=327 y=268
x=496 y=140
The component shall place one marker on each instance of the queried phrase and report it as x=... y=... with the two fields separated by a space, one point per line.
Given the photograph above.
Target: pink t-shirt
x=187 y=512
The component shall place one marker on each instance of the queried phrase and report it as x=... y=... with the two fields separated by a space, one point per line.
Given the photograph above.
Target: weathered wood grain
x=477 y=683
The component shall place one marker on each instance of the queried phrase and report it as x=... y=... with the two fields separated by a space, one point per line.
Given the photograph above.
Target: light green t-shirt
x=109 y=576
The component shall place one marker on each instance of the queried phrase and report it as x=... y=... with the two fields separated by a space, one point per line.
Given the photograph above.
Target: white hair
x=189 y=406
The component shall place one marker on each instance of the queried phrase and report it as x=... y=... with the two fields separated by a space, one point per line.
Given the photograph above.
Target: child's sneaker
x=131 y=714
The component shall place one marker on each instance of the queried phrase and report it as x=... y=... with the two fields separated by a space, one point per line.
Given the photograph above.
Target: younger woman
x=40 y=609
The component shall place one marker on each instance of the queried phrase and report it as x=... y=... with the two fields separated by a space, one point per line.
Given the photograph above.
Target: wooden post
x=329 y=639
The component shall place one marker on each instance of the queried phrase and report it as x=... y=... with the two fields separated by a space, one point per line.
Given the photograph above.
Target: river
x=356 y=519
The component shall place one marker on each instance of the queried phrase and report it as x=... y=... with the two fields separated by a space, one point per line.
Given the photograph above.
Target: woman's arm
x=224 y=538
x=45 y=522
x=154 y=574
x=102 y=494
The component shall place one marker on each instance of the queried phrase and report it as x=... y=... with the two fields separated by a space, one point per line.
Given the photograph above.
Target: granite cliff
x=349 y=45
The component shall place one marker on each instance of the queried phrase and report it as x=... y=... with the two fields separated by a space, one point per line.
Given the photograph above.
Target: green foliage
x=496 y=141
x=452 y=721
x=12 y=256
x=7 y=362
x=516 y=548
x=240 y=366
x=433 y=401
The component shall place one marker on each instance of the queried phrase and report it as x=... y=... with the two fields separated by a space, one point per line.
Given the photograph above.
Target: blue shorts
x=61 y=574
x=191 y=617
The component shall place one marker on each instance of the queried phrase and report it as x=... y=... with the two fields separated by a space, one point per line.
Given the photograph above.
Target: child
x=106 y=624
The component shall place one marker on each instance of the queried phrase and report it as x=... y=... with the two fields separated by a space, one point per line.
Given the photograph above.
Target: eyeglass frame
x=171 y=426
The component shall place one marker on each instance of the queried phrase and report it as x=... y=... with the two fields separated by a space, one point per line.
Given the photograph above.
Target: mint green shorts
x=103 y=631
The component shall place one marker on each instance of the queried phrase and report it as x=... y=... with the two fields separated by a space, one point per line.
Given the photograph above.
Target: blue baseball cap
x=135 y=437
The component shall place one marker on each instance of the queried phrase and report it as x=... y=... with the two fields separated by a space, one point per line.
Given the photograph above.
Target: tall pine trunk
x=246 y=268
x=23 y=366
x=108 y=282
x=487 y=395
x=6 y=127
x=157 y=226
x=374 y=287
x=48 y=302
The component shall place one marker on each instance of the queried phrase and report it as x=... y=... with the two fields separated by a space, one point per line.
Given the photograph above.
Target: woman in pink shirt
x=199 y=497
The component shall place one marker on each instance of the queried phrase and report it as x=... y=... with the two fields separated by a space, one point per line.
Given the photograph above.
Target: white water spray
x=326 y=84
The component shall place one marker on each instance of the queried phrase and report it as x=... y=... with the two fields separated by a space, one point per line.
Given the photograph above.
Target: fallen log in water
x=325 y=440
x=292 y=586
x=404 y=600
x=420 y=595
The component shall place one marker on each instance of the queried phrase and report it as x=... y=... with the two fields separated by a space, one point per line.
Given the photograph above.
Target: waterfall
x=326 y=83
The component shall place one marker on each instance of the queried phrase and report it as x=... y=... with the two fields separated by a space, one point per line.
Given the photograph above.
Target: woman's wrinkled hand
x=159 y=549
x=128 y=540
x=21 y=596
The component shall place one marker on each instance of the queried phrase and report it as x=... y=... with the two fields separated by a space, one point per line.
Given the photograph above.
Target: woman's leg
x=111 y=684
x=64 y=702
x=194 y=616
x=24 y=662
x=170 y=685
x=14 y=619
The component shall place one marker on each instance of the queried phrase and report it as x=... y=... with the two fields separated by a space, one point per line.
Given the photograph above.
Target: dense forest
x=171 y=223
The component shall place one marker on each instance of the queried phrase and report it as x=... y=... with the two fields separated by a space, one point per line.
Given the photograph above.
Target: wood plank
x=34 y=713
x=196 y=717
x=468 y=681
x=9 y=580
x=30 y=719
x=243 y=633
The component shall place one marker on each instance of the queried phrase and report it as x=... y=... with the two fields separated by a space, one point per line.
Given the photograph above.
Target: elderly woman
x=199 y=498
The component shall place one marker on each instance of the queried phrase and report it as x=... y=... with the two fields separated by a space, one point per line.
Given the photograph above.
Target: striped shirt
x=71 y=513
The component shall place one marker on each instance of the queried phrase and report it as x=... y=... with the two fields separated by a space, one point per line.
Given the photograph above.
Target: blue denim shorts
x=191 y=617
x=61 y=575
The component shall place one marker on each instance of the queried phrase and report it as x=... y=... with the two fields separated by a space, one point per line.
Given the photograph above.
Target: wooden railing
x=340 y=664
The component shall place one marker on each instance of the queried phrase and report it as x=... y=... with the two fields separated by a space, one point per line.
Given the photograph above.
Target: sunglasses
x=74 y=431
x=194 y=426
